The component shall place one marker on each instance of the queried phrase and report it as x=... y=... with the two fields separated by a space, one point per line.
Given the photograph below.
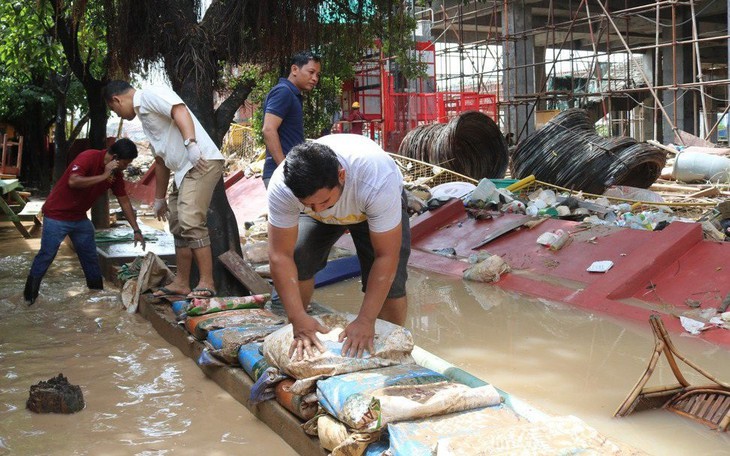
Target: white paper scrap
x=600 y=266
x=690 y=325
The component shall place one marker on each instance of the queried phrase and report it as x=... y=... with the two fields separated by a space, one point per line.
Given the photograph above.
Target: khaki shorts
x=189 y=205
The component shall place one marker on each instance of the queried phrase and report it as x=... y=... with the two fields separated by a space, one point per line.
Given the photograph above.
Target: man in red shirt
x=91 y=174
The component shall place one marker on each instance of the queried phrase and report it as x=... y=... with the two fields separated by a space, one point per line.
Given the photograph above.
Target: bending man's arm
x=282 y=242
x=77 y=181
x=270 y=131
x=360 y=333
x=184 y=121
x=128 y=211
x=162 y=178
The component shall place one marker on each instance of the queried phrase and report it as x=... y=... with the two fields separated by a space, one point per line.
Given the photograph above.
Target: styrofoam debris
x=600 y=266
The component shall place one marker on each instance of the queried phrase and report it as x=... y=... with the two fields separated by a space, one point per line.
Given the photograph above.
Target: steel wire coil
x=470 y=144
x=569 y=153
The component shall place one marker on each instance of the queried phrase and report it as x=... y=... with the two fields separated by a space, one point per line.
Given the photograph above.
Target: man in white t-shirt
x=323 y=188
x=181 y=145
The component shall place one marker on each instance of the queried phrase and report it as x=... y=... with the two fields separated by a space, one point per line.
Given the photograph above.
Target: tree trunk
x=97 y=140
x=35 y=166
x=59 y=137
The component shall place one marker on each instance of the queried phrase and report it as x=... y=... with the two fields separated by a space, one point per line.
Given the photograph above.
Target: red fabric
x=68 y=204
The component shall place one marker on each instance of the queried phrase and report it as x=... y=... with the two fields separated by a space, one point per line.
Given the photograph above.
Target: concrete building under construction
x=649 y=69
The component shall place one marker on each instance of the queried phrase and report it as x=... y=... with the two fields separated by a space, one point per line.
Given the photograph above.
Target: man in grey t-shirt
x=323 y=188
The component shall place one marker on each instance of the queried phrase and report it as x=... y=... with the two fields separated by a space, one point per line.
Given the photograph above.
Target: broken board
x=502 y=229
x=243 y=273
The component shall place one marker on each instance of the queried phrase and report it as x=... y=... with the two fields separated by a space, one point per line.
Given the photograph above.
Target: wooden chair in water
x=708 y=404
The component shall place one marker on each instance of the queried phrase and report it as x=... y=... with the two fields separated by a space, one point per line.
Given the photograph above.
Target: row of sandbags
x=368 y=405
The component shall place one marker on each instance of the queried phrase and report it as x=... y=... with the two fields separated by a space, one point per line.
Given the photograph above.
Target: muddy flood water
x=143 y=397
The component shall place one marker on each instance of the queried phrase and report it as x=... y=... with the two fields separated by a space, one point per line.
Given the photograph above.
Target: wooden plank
x=31 y=208
x=503 y=229
x=8 y=185
x=243 y=273
x=31 y=211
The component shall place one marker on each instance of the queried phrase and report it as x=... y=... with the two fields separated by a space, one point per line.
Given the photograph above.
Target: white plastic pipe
x=700 y=167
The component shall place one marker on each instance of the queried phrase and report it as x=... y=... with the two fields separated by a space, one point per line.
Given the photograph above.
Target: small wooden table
x=25 y=210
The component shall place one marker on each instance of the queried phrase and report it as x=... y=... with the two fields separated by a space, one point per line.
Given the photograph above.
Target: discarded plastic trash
x=600 y=266
x=554 y=240
x=485 y=192
x=691 y=325
x=515 y=207
x=533 y=211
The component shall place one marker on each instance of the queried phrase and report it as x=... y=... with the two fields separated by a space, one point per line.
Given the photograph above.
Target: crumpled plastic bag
x=487 y=270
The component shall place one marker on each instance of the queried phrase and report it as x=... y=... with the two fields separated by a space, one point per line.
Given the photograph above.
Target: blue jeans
x=82 y=235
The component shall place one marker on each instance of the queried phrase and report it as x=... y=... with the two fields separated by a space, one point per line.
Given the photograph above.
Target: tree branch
x=226 y=110
x=77 y=128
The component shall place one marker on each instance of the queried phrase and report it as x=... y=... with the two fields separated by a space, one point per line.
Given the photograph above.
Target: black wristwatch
x=137 y=231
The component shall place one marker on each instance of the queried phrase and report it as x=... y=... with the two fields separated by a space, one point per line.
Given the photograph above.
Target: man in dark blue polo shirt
x=283 y=119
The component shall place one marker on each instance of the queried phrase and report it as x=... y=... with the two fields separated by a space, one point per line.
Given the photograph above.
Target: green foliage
x=27 y=50
x=21 y=101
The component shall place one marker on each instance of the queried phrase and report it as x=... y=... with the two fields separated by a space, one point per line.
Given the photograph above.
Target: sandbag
x=373 y=410
x=420 y=437
x=338 y=394
x=393 y=345
x=556 y=436
x=251 y=359
x=212 y=305
x=226 y=342
x=200 y=325
x=303 y=406
x=334 y=437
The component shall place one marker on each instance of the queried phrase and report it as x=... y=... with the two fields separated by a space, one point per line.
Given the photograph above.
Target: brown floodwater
x=144 y=397
x=559 y=359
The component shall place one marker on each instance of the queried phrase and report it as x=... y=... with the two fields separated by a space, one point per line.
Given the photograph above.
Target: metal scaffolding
x=649 y=69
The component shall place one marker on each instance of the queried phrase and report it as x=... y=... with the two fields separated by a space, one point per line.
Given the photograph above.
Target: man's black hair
x=114 y=88
x=124 y=149
x=302 y=58
x=310 y=167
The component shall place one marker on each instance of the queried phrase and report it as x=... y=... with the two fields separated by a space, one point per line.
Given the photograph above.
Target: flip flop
x=201 y=293
x=167 y=293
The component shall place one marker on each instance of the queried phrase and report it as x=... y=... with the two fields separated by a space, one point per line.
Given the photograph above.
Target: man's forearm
x=162 y=179
x=273 y=146
x=128 y=211
x=286 y=281
x=75 y=181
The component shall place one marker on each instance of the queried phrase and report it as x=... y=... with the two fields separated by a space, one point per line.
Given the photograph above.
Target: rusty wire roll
x=569 y=153
x=469 y=144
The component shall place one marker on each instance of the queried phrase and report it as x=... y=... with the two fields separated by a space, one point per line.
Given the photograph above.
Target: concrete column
x=519 y=75
x=677 y=63
x=648 y=113
x=540 y=86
